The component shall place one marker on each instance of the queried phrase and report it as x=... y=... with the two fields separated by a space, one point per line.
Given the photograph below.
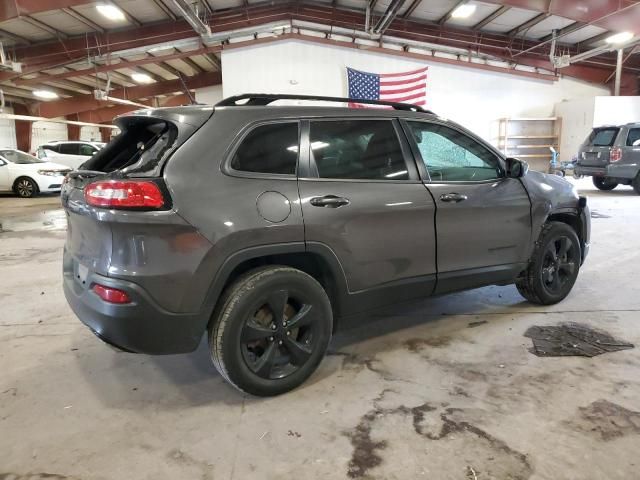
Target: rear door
x=69 y=155
x=483 y=218
x=362 y=200
x=631 y=150
x=596 y=150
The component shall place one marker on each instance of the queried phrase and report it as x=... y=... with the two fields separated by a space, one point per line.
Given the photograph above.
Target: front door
x=483 y=218
x=363 y=201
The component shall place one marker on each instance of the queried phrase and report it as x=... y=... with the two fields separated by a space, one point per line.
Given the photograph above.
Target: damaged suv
x=265 y=225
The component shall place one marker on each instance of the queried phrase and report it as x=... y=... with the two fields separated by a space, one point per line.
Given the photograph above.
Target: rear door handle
x=330 y=201
x=453 y=197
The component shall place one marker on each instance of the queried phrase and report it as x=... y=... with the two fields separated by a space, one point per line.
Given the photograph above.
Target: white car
x=26 y=175
x=72 y=154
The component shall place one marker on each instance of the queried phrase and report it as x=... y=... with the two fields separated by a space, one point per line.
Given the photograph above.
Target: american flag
x=403 y=87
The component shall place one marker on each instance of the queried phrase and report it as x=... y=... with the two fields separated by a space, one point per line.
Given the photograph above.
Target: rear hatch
x=96 y=237
x=596 y=150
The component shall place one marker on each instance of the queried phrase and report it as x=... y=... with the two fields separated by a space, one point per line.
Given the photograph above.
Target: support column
x=616 y=89
x=24 y=128
x=105 y=134
x=73 y=131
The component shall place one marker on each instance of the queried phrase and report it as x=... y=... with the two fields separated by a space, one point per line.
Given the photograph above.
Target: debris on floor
x=571 y=339
x=476 y=324
x=596 y=214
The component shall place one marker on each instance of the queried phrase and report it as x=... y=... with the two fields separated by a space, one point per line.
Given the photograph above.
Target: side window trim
x=422 y=166
x=227 y=169
x=311 y=172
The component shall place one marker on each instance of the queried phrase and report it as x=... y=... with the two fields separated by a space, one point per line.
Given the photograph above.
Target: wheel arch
x=317 y=261
x=572 y=218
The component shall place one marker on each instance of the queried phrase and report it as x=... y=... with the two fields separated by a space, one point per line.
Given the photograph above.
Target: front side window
x=451 y=156
x=87 y=150
x=270 y=149
x=633 y=138
x=69 y=149
x=357 y=149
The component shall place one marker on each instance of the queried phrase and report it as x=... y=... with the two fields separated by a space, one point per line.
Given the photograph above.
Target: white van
x=71 y=154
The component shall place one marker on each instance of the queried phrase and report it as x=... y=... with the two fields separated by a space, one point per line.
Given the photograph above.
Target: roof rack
x=263 y=99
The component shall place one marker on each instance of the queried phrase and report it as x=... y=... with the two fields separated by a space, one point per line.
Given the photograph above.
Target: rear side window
x=633 y=137
x=69 y=149
x=603 y=137
x=87 y=150
x=357 y=149
x=53 y=148
x=270 y=149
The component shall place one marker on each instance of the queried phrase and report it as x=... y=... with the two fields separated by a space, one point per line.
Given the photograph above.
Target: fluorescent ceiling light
x=618 y=38
x=464 y=11
x=45 y=94
x=141 y=78
x=111 y=12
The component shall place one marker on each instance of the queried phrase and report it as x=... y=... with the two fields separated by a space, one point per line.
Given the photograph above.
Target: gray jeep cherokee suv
x=265 y=225
x=611 y=155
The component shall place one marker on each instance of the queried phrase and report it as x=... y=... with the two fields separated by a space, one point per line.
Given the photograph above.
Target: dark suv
x=611 y=155
x=265 y=225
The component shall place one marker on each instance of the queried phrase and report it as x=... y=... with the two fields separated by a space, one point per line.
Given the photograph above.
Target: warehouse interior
x=446 y=387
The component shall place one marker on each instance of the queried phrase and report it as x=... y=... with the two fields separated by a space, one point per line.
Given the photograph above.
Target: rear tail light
x=111 y=295
x=616 y=154
x=124 y=194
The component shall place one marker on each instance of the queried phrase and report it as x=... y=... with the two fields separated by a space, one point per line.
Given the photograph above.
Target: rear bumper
x=614 y=170
x=140 y=326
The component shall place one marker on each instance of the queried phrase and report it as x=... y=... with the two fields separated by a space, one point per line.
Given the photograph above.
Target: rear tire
x=636 y=184
x=554 y=265
x=25 y=187
x=271 y=330
x=604 y=183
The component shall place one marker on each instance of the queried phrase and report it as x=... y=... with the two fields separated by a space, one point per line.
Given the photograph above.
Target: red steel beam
x=107 y=114
x=83 y=103
x=115 y=66
x=617 y=15
x=498 y=45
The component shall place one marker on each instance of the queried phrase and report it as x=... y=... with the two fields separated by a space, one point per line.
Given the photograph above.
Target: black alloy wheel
x=560 y=262
x=270 y=330
x=280 y=336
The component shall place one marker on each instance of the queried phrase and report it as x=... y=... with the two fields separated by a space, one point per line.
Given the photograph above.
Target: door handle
x=330 y=201
x=453 y=197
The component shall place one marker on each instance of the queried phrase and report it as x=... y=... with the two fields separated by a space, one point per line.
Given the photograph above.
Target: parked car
x=71 y=154
x=265 y=226
x=26 y=175
x=611 y=155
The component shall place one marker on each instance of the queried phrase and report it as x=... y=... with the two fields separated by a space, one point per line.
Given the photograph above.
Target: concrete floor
x=414 y=393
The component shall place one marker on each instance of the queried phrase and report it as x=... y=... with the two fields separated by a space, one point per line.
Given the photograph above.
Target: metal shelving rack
x=530 y=139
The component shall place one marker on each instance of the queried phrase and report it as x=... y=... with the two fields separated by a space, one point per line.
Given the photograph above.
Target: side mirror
x=516 y=168
x=2 y=163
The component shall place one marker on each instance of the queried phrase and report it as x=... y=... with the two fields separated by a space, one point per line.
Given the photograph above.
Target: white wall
x=44 y=132
x=577 y=121
x=89 y=134
x=472 y=97
x=7 y=131
x=209 y=95
x=616 y=110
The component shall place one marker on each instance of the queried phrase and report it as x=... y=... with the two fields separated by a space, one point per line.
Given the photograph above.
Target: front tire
x=25 y=187
x=554 y=265
x=604 y=183
x=271 y=331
